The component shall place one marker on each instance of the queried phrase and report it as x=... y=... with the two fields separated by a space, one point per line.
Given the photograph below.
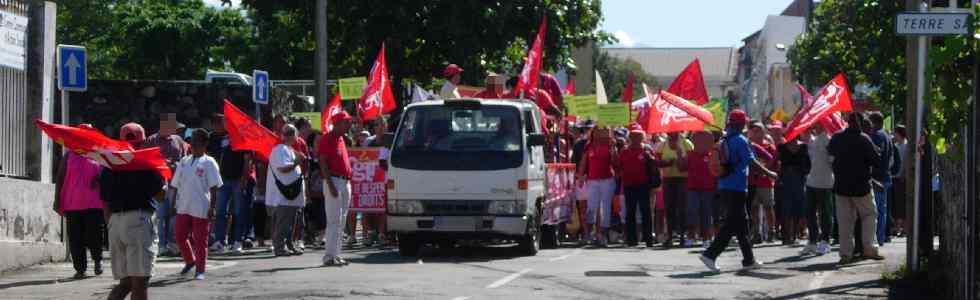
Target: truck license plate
x=455 y=223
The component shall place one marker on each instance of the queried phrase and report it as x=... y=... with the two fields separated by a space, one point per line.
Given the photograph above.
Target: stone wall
x=30 y=231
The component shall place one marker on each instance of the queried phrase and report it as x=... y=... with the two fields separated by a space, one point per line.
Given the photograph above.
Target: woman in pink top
x=77 y=198
x=597 y=167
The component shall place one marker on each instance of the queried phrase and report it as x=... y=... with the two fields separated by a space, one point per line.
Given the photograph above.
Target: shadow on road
x=837 y=291
x=36 y=282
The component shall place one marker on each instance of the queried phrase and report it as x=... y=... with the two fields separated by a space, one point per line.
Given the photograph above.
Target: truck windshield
x=447 y=138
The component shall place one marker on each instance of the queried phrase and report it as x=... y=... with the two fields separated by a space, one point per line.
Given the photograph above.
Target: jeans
x=638 y=196
x=165 y=219
x=85 y=233
x=736 y=225
x=882 y=198
x=191 y=230
x=819 y=202
x=229 y=194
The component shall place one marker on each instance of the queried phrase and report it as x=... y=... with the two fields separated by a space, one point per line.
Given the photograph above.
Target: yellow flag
x=779 y=114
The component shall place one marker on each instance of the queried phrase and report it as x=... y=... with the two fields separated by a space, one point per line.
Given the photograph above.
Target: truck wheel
x=531 y=242
x=549 y=236
x=408 y=245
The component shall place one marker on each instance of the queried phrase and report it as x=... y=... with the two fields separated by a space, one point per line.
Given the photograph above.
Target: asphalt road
x=495 y=272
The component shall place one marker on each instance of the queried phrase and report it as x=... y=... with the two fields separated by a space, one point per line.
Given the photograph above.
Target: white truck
x=467 y=169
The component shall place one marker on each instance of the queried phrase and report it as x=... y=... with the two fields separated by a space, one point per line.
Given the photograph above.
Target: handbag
x=290 y=191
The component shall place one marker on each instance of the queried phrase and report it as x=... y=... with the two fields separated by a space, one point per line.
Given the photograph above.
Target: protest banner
x=352 y=88
x=368 y=190
x=613 y=114
x=584 y=107
x=561 y=193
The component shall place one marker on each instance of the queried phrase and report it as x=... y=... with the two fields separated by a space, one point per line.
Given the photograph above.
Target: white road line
x=815 y=284
x=566 y=256
x=507 y=279
x=461 y=298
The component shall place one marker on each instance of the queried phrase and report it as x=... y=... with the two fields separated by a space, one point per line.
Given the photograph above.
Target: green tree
x=615 y=72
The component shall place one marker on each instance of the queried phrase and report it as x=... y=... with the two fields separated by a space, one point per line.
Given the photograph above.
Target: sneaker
x=79 y=275
x=752 y=266
x=823 y=248
x=709 y=263
x=237 y=249
x=199 y=276
x=98 y=268
x=706 y=244
x=301 y=245
x=248 y=244
x=218 y=248
x=845 y=260
x=687 y=243
x=810 y=249
x=874 y=256
x=186 y=270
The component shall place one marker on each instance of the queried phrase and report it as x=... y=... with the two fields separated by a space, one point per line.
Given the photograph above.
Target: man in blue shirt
x=889 y=164
x=736 y=158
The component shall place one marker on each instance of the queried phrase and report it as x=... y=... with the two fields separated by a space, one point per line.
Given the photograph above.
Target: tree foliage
x=615 y=72
x=858 y=37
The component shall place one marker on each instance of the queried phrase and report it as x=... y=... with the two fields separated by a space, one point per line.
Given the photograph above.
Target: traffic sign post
x=260 y=91
x=72 y=75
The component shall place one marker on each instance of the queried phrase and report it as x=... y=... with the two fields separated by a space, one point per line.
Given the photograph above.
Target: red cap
x=776 y=124
x=132 y=133
x=636 y=127
x=342 y=116
x=738 y=116
x=452 y=69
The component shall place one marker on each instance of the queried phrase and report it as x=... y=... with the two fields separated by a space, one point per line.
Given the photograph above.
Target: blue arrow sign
x=261 y=86
x=72 y=68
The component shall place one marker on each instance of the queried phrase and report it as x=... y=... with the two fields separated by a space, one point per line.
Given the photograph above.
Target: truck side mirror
x=535 y=139
x=389 y=138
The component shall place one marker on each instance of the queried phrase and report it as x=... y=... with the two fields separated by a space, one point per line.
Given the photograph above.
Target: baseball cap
x=776 y=124
x=738 y=116
x=621 y=132
x=587 y=123
x=452 y=69
x=342 y=116
x=132 y=133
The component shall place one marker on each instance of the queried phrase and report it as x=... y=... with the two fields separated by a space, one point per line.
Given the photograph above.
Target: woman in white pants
x=598 y=165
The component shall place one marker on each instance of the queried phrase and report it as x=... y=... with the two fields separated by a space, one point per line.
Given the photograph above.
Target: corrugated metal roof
x=717 y=64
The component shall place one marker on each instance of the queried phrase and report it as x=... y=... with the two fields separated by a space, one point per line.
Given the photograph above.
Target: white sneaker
x=823 y=248
x=809 y=250
x=199 y=276
x=237 y=249
x=301 y=245
x=217 y=247
x=709 y=263
x=755 y=265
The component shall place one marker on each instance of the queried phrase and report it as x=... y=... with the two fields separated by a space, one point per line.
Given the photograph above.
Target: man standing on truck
x=452 y=74
x=736 y=158
x=336 y=168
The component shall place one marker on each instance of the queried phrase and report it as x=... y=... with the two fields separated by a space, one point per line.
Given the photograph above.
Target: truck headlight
x=506 y=207
x=413 y=207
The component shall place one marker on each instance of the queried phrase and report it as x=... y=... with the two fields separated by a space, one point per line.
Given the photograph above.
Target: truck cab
x=467 y=169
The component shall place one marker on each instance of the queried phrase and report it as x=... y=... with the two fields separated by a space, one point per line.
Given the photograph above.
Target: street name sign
x=932 y=24
x=260 y=87
x=72 y=68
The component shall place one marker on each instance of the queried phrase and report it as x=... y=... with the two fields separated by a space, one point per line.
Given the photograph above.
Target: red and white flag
x=528 y=80
x=833 y=123
x=110 y=153
x=247 y=135
x=378 y=98
x=661 y=116
x=691 y=109
x=689 y=84
x=332 y=109
x=834 y=97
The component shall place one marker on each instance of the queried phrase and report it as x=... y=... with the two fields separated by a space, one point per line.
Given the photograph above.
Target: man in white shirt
x=452 y=74
x=284 y=175
x=196 y=181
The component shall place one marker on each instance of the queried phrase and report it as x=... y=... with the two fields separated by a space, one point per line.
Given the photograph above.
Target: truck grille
x=455 y=207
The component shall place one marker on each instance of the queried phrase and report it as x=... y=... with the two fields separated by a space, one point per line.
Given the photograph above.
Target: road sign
x=932 y=24
x=260 y=87
x=72 y=68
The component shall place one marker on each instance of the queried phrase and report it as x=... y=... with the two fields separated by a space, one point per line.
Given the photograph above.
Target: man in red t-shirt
x=762 y=194
x=635 y=163
x=336 y=168
x=702 y=167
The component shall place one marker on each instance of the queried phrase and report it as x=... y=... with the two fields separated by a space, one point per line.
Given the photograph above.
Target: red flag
x=833 y=123
x=689 y=84
x=326 y=117
x=110 y=153
x=693 y=110
x=663 y=117
x=628 y=93
x=528 y=80
x=378 y=98
x=570 y=86
x=834 y=97
x=247 y=135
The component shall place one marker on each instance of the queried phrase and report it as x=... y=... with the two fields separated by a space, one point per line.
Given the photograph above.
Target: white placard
x=13 y=41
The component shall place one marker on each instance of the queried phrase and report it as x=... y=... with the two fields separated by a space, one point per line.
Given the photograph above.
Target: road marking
x=507 y=279
x=815 y=285
x=461 y=298
x=566 y=256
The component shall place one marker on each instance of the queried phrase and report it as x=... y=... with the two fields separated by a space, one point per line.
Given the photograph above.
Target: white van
x=467 y=169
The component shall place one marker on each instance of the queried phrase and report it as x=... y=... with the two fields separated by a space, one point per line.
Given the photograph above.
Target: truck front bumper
x=463 y=226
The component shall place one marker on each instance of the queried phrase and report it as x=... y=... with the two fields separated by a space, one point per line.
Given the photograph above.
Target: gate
x=13 y=88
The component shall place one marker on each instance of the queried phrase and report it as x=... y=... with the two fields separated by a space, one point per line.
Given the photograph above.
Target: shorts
x=132 y=243
x=700 y=205
x=765 y=197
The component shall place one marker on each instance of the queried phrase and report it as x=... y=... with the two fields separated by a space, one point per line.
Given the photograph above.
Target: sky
x=686 y=23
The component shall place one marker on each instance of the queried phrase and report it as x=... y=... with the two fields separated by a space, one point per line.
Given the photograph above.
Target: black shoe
x=79 y=275
x=667 y=244
x=649 y=244
x=186 y=270
x=279 y=253
x=98 y=268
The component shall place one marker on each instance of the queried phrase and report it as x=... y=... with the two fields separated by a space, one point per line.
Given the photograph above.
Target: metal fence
x=13 y=96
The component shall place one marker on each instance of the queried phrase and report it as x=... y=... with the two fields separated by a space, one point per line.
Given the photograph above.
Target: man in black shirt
x=854 y=156
x=131 y=196
x=234 y=166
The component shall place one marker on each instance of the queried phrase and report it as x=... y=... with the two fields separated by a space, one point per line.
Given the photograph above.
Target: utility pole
x=912 y=115
x=320 y=77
